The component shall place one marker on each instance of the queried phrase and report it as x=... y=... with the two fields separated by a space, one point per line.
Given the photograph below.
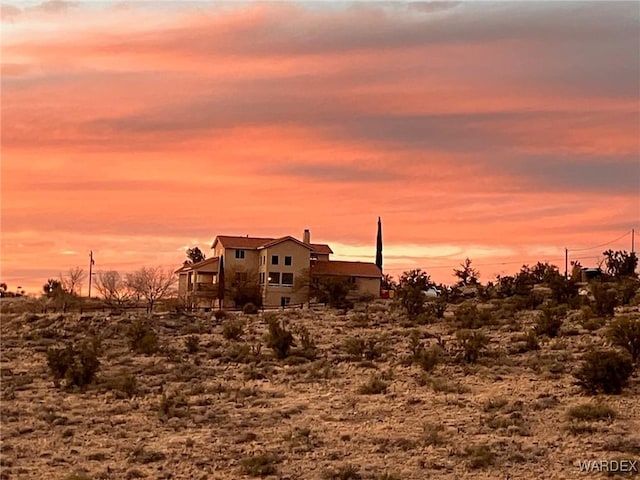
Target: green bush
x=604 y=371
x=142 y=338
x=625 y=332
x=279 y=339
x=233 y=329
x=250 y=309
x=220 y=314
x=77 y=365
x=472 y=343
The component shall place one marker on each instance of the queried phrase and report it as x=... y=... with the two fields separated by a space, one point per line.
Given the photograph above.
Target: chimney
x=306 y=238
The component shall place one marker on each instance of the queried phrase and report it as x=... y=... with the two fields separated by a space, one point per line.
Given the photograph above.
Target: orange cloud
x=503 y=133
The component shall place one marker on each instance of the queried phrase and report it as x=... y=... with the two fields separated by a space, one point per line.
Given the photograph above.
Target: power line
x=600 y=246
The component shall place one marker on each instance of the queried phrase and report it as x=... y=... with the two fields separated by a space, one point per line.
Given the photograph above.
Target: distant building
x=282 y=268
x=590 y=274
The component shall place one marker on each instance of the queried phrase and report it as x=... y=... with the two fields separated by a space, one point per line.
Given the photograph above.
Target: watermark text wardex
x=610 y=466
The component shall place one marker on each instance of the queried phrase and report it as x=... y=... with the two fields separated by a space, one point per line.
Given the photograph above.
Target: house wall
x=299 y=267
x=182 y=284
x=368 y=285
x=247 y=264
x=322 y=257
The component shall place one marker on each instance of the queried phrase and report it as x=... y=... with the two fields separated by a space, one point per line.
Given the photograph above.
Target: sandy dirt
x=232 y=410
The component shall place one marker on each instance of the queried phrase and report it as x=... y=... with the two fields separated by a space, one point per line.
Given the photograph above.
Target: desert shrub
x=374 y=386
x=550 y=321
x=142 y=338
x=605 y=298
x=172 y=405
x=436 y=308
x=472 y=343
x=443 y=385
x=433 y=434
x=124 y=383
x=239 y=353
x=493 y=404
x=77 y=365
x=409 y=293
x=362 y=348
x=250 y=309
x=627 y=288
x=531 y=341
x=604 y=371
x=620 y=263
x=563 y=290
x=77 y=476
x=192 y=344
x=590 y=412
x=428 y=358
x=144 y=456
x=232 y=329
x=479 y=456
x=625 y=332
x=469 y=316
x=279 y=339
x=260 y=465
x=307 y=343
x=345 y=472
x=220 y=314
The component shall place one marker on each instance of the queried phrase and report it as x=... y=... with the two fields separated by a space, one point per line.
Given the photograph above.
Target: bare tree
x=112 y=287
x=151 y=283
x=72 y=280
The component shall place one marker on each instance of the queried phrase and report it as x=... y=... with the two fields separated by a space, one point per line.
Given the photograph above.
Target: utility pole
x=633 y=240
x=566 y=263
x=91 y=263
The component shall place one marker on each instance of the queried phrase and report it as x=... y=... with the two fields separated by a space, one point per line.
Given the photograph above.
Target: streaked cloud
x=497 y=131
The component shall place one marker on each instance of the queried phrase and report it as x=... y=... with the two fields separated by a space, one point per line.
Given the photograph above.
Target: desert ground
x=348 y=402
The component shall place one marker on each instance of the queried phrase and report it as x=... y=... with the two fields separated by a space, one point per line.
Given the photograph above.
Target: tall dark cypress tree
x=221 y=282
x=379 y=246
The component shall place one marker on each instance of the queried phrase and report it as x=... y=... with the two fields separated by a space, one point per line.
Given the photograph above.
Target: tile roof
x=253 y=243
x=322 y=248
x=211 y=263
x=347 y=269
x=248 y=243
x=284 y=239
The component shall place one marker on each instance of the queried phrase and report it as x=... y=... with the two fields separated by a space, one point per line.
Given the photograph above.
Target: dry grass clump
x=375 y=386
x=260 y=465
x=591 y=412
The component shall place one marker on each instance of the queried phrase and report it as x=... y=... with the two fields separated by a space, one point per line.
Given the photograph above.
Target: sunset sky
x=503 y=132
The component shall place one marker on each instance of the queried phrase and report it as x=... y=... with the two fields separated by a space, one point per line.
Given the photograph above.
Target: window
x=274 y=259
x=352 y=279
x=287 y=261
x=287 y=279
x=240 y=277
x=261 y=278
x=274 y=278
x=239 y=253
x=284 y=301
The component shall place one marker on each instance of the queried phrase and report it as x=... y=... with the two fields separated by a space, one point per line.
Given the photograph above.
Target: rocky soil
x=229 y=409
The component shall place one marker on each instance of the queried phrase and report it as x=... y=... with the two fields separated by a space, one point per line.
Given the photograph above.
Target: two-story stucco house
x=282 y=269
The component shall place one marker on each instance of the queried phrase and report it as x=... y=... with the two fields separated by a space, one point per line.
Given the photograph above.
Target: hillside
x=358 y=405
